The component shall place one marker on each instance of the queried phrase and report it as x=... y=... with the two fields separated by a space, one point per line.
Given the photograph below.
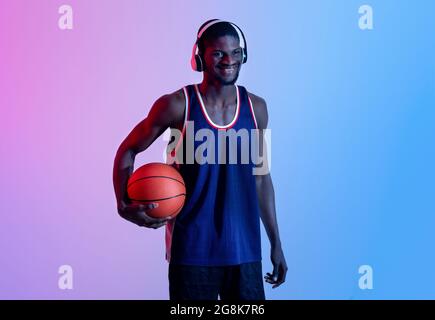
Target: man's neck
x=217 y=93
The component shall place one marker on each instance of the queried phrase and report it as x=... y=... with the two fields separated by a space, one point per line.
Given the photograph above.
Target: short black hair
x=217 y=30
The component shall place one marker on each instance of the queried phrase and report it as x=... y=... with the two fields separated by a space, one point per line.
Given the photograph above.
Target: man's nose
x=228 y=59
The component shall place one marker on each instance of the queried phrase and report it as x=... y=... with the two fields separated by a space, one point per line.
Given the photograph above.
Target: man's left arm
x=266 y=198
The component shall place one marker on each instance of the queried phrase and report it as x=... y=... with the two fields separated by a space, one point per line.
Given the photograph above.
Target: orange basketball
x=158 y=183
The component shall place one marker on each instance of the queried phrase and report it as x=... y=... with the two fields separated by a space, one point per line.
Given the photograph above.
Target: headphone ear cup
x=194 y=58
x=245 y=55
x=199 y=64
x=193 y=63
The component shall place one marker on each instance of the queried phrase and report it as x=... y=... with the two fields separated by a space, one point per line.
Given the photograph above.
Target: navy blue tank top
x=220 y=223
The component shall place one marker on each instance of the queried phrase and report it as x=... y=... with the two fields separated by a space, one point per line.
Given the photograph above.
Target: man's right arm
x=166 y=112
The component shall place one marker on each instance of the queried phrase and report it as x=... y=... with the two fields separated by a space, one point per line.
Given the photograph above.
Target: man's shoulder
x=260 y=109
x=175 y=98
x=171 y=106
x=256 y=100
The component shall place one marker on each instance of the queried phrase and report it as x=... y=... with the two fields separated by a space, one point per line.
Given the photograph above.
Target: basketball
x=158 y=183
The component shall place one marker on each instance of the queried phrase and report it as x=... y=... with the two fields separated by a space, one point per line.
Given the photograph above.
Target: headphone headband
x=214 y=21
x=204 y=28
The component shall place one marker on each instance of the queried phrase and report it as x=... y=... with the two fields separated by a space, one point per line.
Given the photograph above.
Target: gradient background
x=352 y=118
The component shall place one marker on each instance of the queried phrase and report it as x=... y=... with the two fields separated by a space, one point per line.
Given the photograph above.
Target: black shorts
x=236 y=282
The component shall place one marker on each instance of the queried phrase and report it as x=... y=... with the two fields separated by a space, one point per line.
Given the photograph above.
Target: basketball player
x=213 y=245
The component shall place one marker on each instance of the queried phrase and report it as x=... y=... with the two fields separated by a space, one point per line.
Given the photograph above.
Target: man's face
x=223 y=59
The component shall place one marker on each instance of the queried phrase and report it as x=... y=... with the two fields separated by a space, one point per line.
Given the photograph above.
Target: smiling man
x=213 y=245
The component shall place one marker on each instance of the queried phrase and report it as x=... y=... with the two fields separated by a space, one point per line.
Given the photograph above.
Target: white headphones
x=196 y=61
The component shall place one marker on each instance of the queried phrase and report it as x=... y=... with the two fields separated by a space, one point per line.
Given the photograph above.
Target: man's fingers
x=270 y=277
x=157 y=225
x=274 y=275
x=278 y=282
x=275 y=279
x=281 y=276
x=149 y=206
x=139 y=213
x=149 y=220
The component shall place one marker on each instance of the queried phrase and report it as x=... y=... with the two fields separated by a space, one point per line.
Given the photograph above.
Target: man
x=213 y=245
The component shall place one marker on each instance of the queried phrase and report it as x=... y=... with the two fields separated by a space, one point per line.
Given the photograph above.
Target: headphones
x=196 y=61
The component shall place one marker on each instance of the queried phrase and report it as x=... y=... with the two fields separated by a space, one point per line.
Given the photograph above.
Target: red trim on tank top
x=186 y=119
x=252 y=112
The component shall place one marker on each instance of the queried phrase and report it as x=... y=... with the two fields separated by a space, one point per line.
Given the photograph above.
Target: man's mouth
x=227 y=70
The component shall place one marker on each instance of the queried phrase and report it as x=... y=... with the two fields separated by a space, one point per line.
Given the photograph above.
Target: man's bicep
x=261 y=114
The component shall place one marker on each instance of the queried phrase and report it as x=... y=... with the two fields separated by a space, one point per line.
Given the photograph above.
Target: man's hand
x=138 y=214
x=279 y=268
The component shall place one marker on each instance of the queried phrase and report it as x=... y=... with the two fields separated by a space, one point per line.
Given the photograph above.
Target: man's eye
x=217 y=54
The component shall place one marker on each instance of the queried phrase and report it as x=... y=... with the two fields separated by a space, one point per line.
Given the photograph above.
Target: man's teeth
x=228 y=70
